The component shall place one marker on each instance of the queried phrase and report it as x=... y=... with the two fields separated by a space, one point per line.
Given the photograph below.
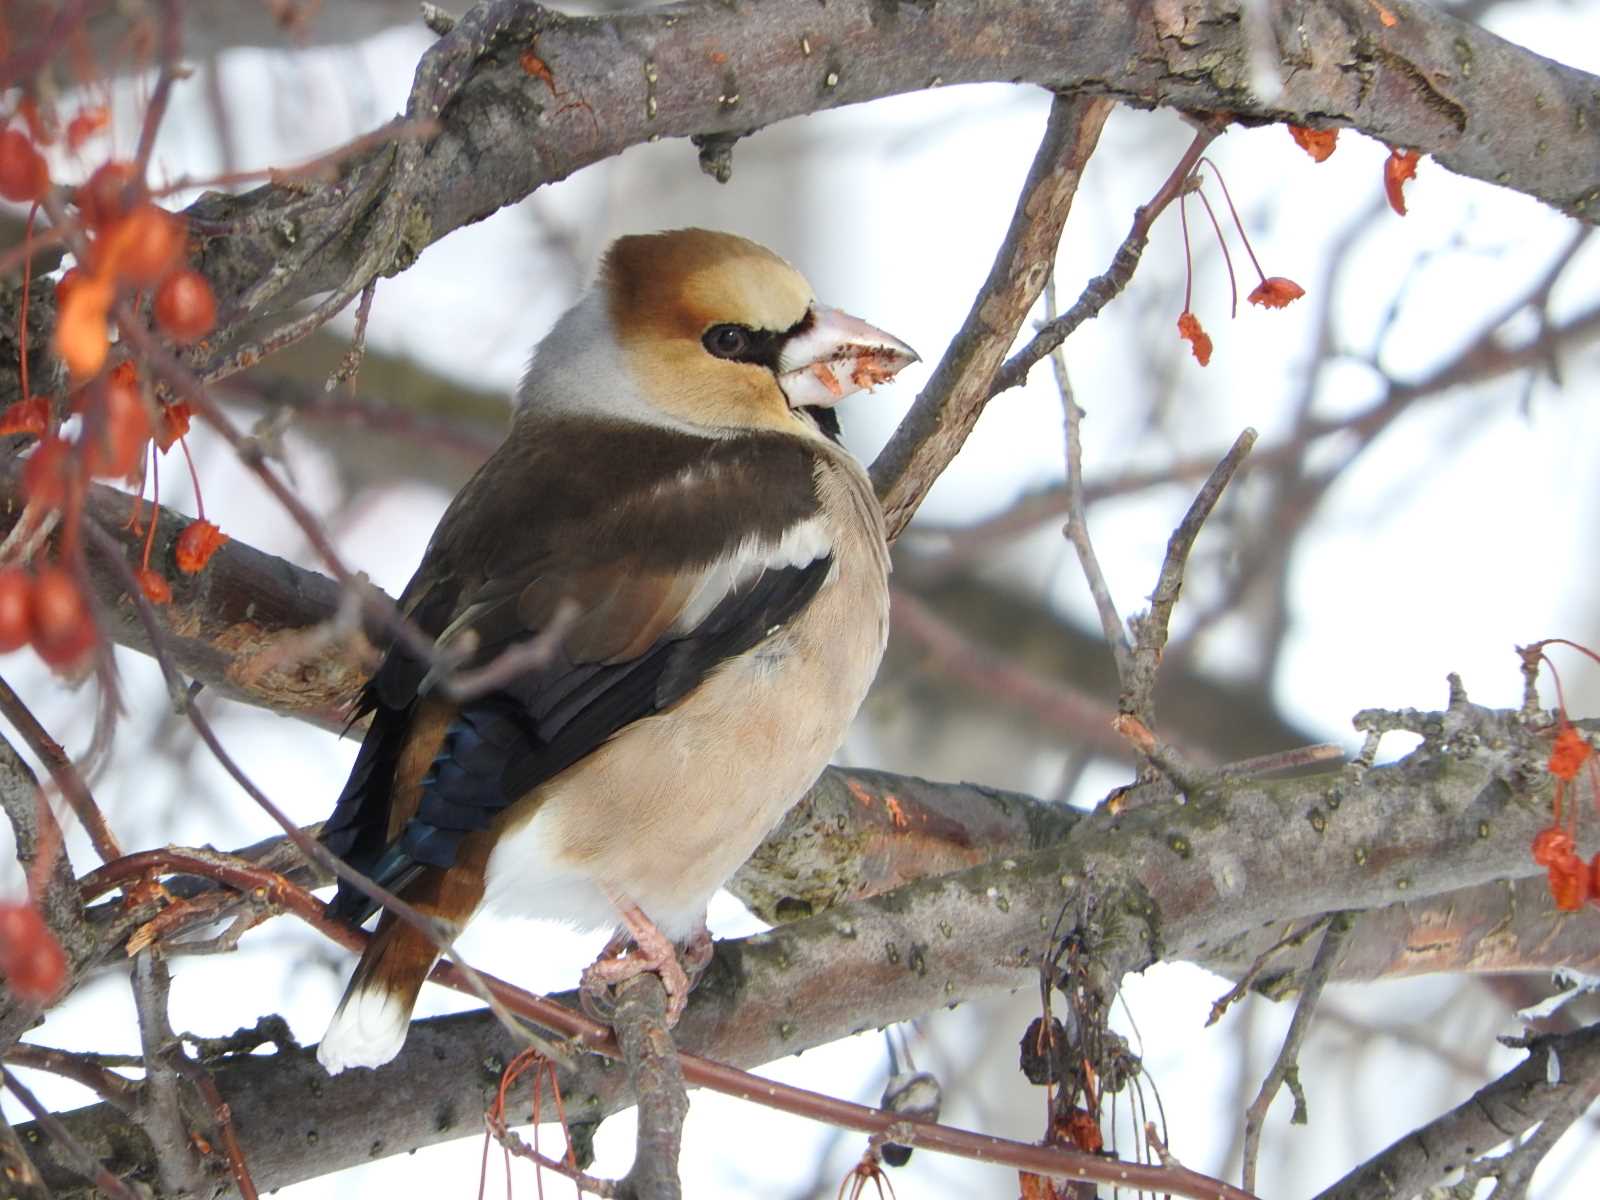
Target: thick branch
x=1161 y=881
x=1430 y=81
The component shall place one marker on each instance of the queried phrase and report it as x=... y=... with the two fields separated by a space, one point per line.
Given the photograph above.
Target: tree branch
x=1168 y=881
x=1496 y=1113
x=944 y=414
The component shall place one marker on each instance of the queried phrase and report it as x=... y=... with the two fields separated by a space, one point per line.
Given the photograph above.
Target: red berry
x=185 y=306
x=24 y=176
x=63 y=630
x=81 y=339
x=34 y=964
x=1550 y=844
x=16 y=609
x=1569 y=882
x=142 y=247
x=117 y=429
x=111 y=192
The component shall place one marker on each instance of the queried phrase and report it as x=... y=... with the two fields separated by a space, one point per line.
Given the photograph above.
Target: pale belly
x=664 y=814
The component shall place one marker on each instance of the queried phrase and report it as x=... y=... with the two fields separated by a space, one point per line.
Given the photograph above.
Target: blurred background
x=1421 y=500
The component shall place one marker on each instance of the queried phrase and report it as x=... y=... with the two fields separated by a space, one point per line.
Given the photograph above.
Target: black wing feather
x=502 y=745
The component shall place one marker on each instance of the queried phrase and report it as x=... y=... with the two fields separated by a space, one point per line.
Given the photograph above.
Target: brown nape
x=676 y=285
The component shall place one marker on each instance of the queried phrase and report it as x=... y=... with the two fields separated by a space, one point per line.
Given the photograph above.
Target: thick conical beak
x=835 y=355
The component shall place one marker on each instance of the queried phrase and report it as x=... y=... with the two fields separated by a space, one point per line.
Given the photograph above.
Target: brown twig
x=222 y=1115
x=89 y=1070
x=62 y=771
x=1102 y=289
x=85 y=1162
x=945 y=413
x=22 y=1178
x=1295 y=937
x=1137 y=702
x=1285 y=1069
x=155 y=108
x=1077 y=526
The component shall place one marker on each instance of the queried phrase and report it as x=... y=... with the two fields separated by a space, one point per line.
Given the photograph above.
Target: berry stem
x=1237 y=223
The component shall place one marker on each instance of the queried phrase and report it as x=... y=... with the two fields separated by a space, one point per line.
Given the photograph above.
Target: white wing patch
x=801 y=544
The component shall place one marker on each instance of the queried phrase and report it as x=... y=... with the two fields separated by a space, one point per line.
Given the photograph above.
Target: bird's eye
x=727 y=341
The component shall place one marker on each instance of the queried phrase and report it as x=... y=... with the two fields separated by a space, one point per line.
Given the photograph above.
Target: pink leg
x=652 y=951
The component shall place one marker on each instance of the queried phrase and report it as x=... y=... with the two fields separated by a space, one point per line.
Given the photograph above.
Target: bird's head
x=715 y=331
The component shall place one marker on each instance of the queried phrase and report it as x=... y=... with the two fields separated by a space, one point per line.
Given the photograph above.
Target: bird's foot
x=647 y=949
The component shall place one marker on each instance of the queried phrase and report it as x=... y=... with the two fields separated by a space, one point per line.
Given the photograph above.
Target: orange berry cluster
x=1573 y=882
x=46 y=610
x=133 y=244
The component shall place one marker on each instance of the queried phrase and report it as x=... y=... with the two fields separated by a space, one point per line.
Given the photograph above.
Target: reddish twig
x=62 y=770
x=90 y=1167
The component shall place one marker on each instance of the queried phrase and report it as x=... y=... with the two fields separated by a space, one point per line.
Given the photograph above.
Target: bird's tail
x=370 y=1024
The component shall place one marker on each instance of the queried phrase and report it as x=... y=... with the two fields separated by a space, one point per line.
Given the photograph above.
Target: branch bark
x=1443 y=86
x=1160 y=882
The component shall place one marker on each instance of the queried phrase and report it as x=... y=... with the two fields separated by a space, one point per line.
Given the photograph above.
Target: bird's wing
x=622 y=564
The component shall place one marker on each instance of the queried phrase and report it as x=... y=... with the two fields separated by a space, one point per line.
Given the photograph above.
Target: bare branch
x=1285 y=1068
x=944 y=414
x=163 y=1117
x=1504 y=1109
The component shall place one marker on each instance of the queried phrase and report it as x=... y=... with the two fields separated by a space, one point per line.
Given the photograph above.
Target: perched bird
x=670 y=583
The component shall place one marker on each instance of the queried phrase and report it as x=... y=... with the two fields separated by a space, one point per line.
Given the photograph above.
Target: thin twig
x=223 y=1116
x=1077 y=526
x=1281 y=760
x=1101 y=290
x=1151 y=634
x=88 y=1070
x=944 y=414
x=62 y=771
x=155 y=108
x=22 y=1178
x=1286 y=1067
x=87 y=1165
x=1295 y=937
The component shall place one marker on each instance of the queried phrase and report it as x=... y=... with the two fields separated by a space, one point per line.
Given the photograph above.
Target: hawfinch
x=677 y=580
